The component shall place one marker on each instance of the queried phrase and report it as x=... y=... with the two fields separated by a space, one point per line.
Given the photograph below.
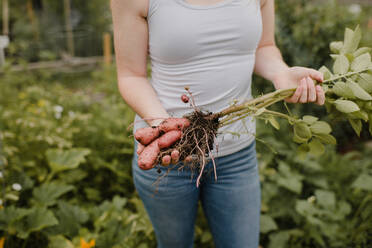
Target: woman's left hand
x=302 y=79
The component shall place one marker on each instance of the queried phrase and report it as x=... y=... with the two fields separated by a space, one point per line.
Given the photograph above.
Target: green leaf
x=267 y=224
x=361 y=51
x=70 y=218
x=359 y=115
x=351 y=40
x=361 y=62
x=302 y=130
x=47 y=194
x=308 y=119
x=370 y=123
x=38 y=219
x=279 y=239
x=302 y=151
x=298 y=139
x=305 y=208
x=368 y=106
x=9 y=216
x=341 y=89
x=59 y=241
x=326 y=138
x=365 y=81
x=316 y=147
x=321 y=127
x=341 y=65
x=325 y=198
x=356 y=125
x=346 y=106
x=289 y=179
x=274 y=122
x=364 y=182
x=358 y=91
x=336 y=46
x=60 y=160
x=327 y=74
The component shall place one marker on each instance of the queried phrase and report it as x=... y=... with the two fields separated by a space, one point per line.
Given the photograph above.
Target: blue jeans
x=231 y=204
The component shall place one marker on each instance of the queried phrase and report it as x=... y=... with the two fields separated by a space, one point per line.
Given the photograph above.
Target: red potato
x=166 y=160
x=175 y=155
x=169 y=138
x=140 y=148
x=147 y=158
x=146 y=135
x=174 y=124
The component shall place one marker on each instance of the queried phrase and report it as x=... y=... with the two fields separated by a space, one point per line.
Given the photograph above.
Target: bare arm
x=270 y=64
x=268 y=55
x=131 y=42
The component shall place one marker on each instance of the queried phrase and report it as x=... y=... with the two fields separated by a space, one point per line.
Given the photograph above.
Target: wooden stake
x=5 y=17
x=70 y=35
x=31 y=16
x=107 y=56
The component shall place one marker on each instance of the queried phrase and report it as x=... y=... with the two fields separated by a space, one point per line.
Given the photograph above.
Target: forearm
x=141 y=97
x=269 y=62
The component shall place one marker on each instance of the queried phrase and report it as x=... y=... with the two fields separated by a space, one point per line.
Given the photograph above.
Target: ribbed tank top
x=210 y=49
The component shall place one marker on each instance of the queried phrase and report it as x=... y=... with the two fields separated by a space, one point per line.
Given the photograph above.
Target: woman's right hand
x=153 y=139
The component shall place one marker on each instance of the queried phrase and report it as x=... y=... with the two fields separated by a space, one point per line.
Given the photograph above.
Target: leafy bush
x=66 y=159
x=316 y=202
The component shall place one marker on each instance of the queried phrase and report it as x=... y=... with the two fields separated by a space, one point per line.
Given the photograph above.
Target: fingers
x=320 y=95
x=303 y=97
x=188 y=159
x=175 y=155
x=311 y=90
x=166 y=160
x=173 y=158
x=308 y=92
x=296 y=96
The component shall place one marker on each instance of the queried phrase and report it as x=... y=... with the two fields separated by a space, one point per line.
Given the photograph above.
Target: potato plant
x=347 y=88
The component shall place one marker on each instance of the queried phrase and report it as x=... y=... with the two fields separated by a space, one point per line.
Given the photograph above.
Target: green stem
x=344 y=75
x=271 y=98
x=282 y=93
x=281 y=115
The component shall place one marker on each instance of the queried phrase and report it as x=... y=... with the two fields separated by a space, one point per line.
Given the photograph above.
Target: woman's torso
x=210 y=49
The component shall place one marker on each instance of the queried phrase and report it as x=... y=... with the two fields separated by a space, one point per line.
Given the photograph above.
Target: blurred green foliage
x=66 y=167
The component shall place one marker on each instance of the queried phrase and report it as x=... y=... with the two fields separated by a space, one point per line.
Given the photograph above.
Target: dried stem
x=212 y=157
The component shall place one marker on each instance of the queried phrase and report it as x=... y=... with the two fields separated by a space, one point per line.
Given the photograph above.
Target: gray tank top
x=210 y=49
